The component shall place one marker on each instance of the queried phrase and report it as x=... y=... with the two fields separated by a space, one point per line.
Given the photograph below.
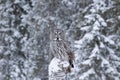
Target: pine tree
x=13 y=36
x=97 y=49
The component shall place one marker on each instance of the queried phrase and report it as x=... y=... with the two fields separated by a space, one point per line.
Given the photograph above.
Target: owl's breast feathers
x=64 y=52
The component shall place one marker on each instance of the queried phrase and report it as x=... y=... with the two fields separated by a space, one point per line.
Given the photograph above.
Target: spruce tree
x=97 y=49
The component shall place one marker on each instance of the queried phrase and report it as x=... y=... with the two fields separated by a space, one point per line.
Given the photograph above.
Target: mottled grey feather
x=59 y=46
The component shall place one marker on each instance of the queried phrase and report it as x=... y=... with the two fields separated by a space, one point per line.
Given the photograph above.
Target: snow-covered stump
x=57 y=69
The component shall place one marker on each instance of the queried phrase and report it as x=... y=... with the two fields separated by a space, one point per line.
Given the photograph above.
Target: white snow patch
x=78 y=42
x=85 y=28
x=54 y=66
x=103 y=23
x=1 y=76
x=94 y=51
x=92 y=10
x=104 y=62
x=86 y=39
x=89 y=36
x=110 y=70
x=102 y=45
x=111 y=50
x=64 y=63
x=14 y=74
x=96 y=24
x=87 y=62
x=5 y=29
x=57 y=65
x=119 y=17
x=17 y=1
x=96 y=28
x=36 y=79
x=16 y=33
x=86 y=74
x=107 y=39
x=1 y=49
x=89 y=18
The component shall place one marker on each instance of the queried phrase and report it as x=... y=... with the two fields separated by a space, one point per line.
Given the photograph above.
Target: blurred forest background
x=92 y=28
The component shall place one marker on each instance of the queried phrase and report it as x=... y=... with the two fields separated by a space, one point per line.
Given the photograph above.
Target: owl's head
x=58 y=35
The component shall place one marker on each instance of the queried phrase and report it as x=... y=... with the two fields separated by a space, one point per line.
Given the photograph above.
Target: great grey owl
x=60 y=48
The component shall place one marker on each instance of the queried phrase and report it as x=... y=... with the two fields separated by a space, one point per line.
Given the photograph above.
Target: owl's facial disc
x=57 y=34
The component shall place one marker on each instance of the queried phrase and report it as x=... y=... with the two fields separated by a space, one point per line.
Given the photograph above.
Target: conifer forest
x=92 y=28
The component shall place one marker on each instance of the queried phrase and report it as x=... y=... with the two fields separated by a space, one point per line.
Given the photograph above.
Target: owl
x=60 y=47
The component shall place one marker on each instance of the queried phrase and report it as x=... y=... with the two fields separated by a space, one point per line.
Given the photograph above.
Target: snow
x=68 y=15
x=104 y=62
x=110 y=70
x=100 y=5
x=86 y=74
x=86 y=28
x=57 y=69
x=36 y=79
x=68 y=3
x=103 y=23
x=1 y=76
x=96 y=49
x=5 y=29
x=26 y=7
x=17 y=1
x=16 y=33
x=2 y=61
x=1 y=7
x=86 y=39
x=96 y=24
x=56 y=65
x=14 y=73
x=89 y=36
x=119 y=17
x=87 y=62
x=108 y=39
x=96 y=27
x=77 y=45
x=92 y=10
x=102 y=45
x=89 y=18
x=96 y=1
x=3 y=22
x=64 y=64
x=110 y=50
x=1 y=49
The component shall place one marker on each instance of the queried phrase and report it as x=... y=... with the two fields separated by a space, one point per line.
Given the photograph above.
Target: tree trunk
x=57 y=69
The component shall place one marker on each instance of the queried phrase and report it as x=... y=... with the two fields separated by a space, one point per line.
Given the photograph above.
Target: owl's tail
x=71 y=59
x=71 y=63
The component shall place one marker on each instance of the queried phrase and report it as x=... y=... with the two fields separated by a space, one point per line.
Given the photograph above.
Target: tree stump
x=57 y=69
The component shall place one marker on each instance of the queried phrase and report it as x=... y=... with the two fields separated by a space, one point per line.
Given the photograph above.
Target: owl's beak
x=57 y=38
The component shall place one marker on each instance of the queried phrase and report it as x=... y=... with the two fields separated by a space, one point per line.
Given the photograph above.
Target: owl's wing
x=70 y=54
x=71 y=58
